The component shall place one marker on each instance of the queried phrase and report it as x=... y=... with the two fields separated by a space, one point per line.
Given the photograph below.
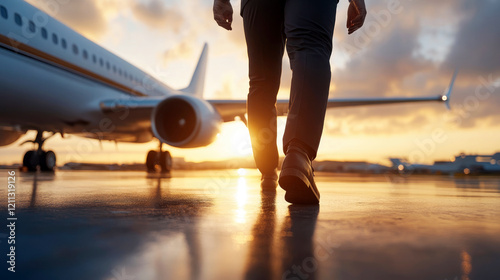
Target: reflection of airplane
x=52 y=79
x=464 y=164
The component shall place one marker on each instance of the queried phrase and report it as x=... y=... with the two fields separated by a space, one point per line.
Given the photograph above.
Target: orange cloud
x=84 y=16
x=156 y=14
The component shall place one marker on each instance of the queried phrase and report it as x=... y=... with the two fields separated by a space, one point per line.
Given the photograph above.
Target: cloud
x=346 y=123
x=383 y=67
x=477 y=43
x=84 y=16
x=180 y=51
x=225 y=90
x=475 y=105
x=398 y=61
x=155 y=14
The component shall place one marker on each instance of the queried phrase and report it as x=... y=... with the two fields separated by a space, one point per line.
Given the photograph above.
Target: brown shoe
x=297 y=177
x=269 y=181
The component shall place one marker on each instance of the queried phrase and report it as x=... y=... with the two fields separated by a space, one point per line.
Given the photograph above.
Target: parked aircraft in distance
x=52 y=79
x=461 y=164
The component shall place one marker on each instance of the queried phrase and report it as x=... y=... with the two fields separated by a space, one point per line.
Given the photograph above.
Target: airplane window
x=44 y=33
x=85 y=54
x=94 y=58
x=32 y=26
x=18 y=19
x=3 y=11
x=75 y=49
x=55 y=39
x=114 y=68
x=63 y=43
x=101 y=62
x=125 y=74
x=120 y=71
x=107 y=64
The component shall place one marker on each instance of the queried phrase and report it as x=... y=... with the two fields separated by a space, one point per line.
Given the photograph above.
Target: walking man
x=305 y=27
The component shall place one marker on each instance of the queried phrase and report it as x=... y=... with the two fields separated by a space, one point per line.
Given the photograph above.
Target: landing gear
x=161 y=160
x=34 y=158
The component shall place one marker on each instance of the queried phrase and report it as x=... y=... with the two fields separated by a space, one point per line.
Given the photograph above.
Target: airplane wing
x=229 y=109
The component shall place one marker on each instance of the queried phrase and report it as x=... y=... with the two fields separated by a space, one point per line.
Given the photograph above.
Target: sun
x=235 y=140
x=242 y=172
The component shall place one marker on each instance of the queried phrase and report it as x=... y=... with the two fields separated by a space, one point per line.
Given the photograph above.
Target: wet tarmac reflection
x=220 y=225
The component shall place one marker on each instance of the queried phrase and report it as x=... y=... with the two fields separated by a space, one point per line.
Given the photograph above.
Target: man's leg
x=263 y=24
x=309 y=28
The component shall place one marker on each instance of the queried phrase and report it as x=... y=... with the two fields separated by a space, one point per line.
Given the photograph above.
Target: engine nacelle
x=8 y=137
x=185 y=121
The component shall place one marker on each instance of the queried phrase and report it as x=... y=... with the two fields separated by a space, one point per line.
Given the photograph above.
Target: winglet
x=197 y=83
x=446 y=97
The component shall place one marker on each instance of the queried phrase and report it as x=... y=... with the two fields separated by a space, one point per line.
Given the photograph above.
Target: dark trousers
x=305 y=27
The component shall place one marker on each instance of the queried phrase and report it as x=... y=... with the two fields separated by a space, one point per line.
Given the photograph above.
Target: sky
x=406 y=48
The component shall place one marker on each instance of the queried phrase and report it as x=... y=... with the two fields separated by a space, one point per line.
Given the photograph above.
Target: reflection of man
x=262 y=253
x=306 y=28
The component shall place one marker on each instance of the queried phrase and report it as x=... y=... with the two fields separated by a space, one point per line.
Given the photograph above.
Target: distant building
x=462 y=164
x=350 y=167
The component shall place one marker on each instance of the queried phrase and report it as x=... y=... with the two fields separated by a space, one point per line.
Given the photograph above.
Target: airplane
x=54 y=80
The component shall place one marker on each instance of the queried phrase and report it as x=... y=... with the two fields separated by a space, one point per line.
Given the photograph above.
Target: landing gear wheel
x=165 y=162
x=159 y=160
x=151 y=161
x=48 y=161
x=34 y=158
x=30 y=161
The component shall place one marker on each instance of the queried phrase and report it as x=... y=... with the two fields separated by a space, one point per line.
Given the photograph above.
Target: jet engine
x=185 y=121
x=8 y=137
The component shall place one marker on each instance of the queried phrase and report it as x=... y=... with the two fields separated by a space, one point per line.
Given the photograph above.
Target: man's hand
x=223 y=13
x=356 y=14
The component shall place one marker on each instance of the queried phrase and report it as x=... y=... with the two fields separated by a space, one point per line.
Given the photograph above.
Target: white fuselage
x=54 y=79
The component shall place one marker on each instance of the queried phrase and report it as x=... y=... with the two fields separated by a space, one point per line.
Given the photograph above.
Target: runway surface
x=219 y=225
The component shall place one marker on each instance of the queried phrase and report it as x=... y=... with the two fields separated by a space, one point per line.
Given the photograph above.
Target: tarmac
x=220 y=225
